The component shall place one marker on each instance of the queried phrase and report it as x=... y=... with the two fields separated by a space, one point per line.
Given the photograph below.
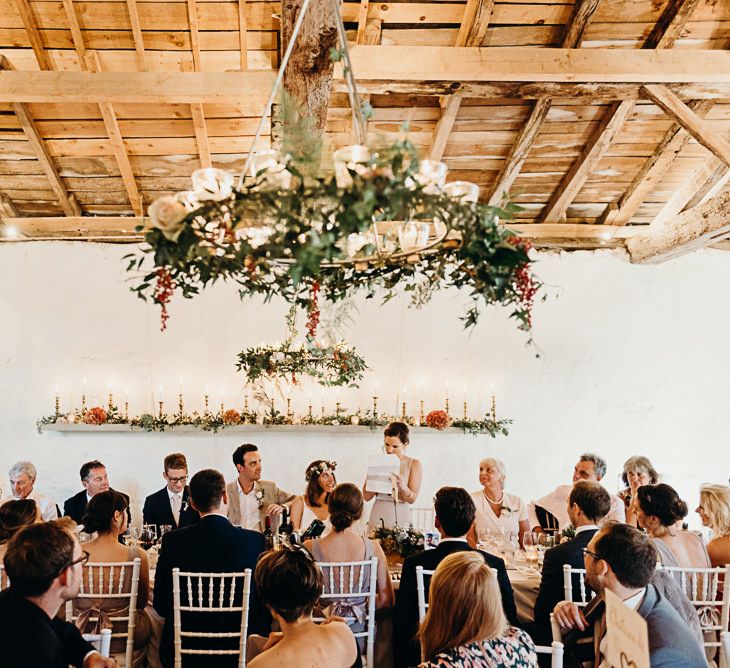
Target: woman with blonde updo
x=714 y=509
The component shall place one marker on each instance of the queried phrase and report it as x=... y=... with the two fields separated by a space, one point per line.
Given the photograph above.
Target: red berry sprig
x=164 y=288
x=524 y=282
x=313 y=310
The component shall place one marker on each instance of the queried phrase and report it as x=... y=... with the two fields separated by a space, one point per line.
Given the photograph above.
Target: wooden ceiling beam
x=31 y=28
x=137 y=35
x=199 y=126
x=670 y=25
x=78 y=38
x=449 y=110
x=689 y=120
x=7 y=208
x=243 y=33
x=474 y=23
x=194 y=37
x=694 y=229
x=711 y=187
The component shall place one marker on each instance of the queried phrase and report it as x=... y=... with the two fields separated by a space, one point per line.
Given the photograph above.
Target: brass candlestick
x=180 y=403
x=309 y=411
x=223 y=408
x=111 y=402
x=465 y=411
x=289 y=414
x=162 y=404
x=58 y=406
x=421 y=417
x=404 y=410
x=245 y=404
x=126 y=410
x=337 y=408
x=375 y=406
x=205 y=403
x=494 y=409
x=83 y=402
x=447 y=406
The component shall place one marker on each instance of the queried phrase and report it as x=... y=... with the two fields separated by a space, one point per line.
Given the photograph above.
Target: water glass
x=131 y=536
x=164 y=528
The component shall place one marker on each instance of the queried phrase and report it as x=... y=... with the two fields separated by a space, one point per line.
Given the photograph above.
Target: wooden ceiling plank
x=243 y=33
x=688 y=119
x=136 y=35
x=362 y=21
x=653 y=170
x=7 y=208
x=474 y=23
x=194 y=36
x=695 y=228
x=117 y=144
x=449 y=110
x=78 y=39
x=31 y=28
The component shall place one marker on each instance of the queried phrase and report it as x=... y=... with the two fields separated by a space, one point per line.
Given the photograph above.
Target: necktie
x=176 y=503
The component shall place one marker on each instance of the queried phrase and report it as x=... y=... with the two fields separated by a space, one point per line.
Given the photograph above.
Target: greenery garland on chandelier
x=292 y=237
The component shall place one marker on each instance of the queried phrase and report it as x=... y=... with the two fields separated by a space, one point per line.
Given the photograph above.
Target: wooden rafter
x=689 y=120
x=7 y=208
x=653 y=170
x=243 y=33
x=194 y=37
x=117 y=143
x=137 y=35
x=695 y=228
x=73 y=24
x=199 y=126
x=583 y=11
x=31 y=28
x=474 y=23
x=449 y=110
x=665 y=31
x=711 y=187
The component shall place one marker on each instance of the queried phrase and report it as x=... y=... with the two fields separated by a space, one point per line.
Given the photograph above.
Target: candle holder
x=421 y=416
x=337 y=408
x=404 y=411
x=111 y=402
x=180 y=404
x=289 y=414
x=466 y=412
x=494 y=409
x=245 y=405
x=446 y=406
x=126 y=410
x=162 y=405
x=205 y=404
x=83 y=402
x=273 y=407
x=375 y=406
x=223 y=409
x=309 y=411
x=58 y=405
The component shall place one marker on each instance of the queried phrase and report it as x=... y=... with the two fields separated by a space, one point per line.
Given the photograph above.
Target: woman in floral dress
x=465 y=626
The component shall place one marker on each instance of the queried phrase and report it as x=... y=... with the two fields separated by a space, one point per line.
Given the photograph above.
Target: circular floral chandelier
x=382 y=221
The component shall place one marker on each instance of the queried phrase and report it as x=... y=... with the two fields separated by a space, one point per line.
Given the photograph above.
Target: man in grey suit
x=622 y=559
x=251 y=499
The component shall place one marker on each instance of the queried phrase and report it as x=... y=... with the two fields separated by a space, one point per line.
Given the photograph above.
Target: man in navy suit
x=622 y=559
x=212 y=545
x=455 y=512
x=171 y=505
x=94 y=479
x=588 y=505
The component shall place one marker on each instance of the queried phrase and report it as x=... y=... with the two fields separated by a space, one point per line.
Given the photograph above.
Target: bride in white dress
x=320 y=477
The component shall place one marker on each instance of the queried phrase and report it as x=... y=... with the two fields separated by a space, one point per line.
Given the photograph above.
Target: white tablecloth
x=525 y=585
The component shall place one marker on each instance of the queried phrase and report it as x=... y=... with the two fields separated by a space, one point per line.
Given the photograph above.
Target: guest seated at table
x=43 y=562
x=213 y=545
x=714 y=509
x=660 y=512
x=251 y=499
x=94 y=478
x=622 y=559
x=22 y=482
x=454 y=510
x=392 y=509
x=14 y=515
x=343 y=543
x=290 y=584
x=465 y=626
x=496 y=509
x=106 y=516
x=637 y=471
x=312 y=505
x=588 y=504
x=171 y=505
x=590 y=467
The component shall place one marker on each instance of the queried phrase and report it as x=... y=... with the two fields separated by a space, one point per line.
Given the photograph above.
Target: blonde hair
x=715 y=501
x=495 y=463
x=465 y=605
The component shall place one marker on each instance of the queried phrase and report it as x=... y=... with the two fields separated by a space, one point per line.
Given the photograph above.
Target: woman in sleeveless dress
x=395 y=509
x=343 y=543
x=106 y=515
x=312 y=505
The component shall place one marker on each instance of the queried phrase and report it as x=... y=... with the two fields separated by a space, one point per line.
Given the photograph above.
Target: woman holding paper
x=395 y=508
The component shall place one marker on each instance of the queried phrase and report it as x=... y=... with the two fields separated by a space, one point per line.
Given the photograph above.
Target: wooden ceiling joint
x=31 y=28
x=137 y=37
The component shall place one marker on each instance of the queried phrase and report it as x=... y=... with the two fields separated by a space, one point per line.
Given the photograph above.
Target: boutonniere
x=185 y=506
x=504 y=511
x=260 y=497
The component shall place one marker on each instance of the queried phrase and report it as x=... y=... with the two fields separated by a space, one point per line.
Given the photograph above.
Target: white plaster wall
x=633 y=360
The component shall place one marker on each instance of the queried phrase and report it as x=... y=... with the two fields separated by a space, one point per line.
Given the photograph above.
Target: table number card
x=627 y=636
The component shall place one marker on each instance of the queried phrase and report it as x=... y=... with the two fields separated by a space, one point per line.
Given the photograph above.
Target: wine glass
x=529 y=542
x=148 y=536
x=131 y=536
x=544 y=542
x=164 y=528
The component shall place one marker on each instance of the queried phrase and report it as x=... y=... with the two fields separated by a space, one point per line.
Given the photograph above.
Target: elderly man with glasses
x=22 y=480
x=44 y=564
x=171 y=505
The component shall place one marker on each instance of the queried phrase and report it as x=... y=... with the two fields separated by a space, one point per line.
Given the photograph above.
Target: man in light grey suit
x=251 y=499
x=622 y=559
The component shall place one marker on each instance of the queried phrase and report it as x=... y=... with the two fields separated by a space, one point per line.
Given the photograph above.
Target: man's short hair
x=592 y=498
x=241 y=451
x=36 y=555
x=206 y=490
x=23 y=468
x=455 y=510
x=599 y=463
x=86 y=468
x=628 y=552
x=176 y=460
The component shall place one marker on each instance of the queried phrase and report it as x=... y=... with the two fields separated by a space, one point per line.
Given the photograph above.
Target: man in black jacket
x=455 y=512
x=213 y=545
x=94 y=479
x=171 y=505
x=588 y=505
x=44 y=564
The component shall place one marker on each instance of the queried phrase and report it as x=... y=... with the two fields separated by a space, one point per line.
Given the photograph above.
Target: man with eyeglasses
x=171 y=505
x=622 y=559
x=44 y=565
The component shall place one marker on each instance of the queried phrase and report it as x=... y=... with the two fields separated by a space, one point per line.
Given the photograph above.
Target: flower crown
x=316 y=471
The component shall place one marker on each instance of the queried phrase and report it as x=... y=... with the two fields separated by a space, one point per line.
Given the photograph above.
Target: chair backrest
x=421 y=573
x=110 y=586
x=217 y=593
x=353 y=583
x=547 y=520
x=102 y=641
x=4 y=581
x=555 y=649
x=725 y=652
x=423 y=518
x=708 y=590
x=579 y=574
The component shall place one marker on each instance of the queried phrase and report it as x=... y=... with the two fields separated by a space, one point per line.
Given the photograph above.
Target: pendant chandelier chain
x=357 y=117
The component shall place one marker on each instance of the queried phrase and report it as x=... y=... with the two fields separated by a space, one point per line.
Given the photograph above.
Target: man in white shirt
x=590 y=467
x=250 y=499
x=22 y=480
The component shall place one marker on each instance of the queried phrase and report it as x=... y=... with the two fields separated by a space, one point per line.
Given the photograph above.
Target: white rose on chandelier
x=167 y=214
x=212 y=185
